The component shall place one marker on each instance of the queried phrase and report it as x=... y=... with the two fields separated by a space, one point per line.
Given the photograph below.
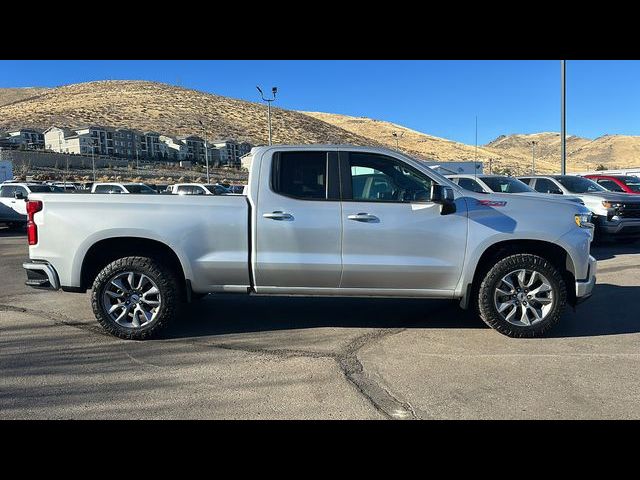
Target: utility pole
x=533 y=144
x=397 y=137
x=563 y=115
x=274 y=90
x=206 y=153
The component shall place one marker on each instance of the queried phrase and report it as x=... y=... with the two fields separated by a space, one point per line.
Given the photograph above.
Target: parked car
x=198 y=189
x=13 y=196
x=140 y=188
x=617 y=183
x=615 y=215
x=499 y=184
x=386 y=226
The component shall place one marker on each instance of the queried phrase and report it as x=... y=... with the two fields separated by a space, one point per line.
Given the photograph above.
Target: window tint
x=40 y=188
x=7 y=191
x=610 y=185
x=135 y=188
x=300 y=174
x=385 y=179
x=469 y=184
x=506 y=185
x=102 y=189
x=579 y=184
x=526 y=180
x=544 y=185
x=632 y=182
x=22 y=190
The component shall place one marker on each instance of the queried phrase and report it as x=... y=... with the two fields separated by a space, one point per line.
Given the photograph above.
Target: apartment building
x=195 y=147
x=29 y=137
x=102 y=138
x=231 y=151
x=177 y=150
x=127 y=143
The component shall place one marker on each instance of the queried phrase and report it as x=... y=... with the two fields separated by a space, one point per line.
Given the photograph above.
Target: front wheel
x=135 y=297
x=522 y=296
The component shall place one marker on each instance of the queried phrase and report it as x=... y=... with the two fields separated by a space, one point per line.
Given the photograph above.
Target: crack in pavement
x=346 y=359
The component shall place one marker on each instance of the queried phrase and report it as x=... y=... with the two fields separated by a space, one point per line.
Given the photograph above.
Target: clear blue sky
x=437 y=97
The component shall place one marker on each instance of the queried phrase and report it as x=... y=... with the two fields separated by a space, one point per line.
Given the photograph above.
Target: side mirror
x=445 y=197
x=19 y=196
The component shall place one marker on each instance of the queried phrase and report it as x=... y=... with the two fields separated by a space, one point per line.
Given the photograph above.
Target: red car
x=618 y=183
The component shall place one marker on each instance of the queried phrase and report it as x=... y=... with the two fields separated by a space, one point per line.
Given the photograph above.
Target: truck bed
x=202 y=230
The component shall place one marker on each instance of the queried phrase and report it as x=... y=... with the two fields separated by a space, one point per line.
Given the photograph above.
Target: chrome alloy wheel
x=524 y=297
x=131 y=299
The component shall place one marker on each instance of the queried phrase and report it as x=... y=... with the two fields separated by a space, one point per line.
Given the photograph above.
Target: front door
x=298 y=228
x=394 y=238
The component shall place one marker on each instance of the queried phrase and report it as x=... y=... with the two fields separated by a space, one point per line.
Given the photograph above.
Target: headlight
x=608 y=204
x=583 y=220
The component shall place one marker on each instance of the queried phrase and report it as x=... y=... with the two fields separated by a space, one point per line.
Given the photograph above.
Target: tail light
x=33 y=206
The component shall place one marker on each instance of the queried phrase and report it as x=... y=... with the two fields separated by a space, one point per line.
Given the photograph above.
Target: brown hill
x=168 y=109
x=10 y=95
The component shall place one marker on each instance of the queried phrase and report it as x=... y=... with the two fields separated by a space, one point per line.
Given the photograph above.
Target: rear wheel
x=522 y=295
x=135 y=297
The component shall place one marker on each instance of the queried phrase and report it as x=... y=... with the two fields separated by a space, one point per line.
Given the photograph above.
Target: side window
x=528 y=181
x=102 y=189
x=469 y=184
x=380 y=178
x=8 y=191
x=546 y=186
x=300 y=174
x=610 y=185
x=197 y=190
x=185 y=190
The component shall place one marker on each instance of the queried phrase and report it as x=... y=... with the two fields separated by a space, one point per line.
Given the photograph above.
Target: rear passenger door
x=298 y=229
x=8 y=202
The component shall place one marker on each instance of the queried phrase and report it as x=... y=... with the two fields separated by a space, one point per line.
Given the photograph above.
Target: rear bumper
x=41 y=275
x=584 y=288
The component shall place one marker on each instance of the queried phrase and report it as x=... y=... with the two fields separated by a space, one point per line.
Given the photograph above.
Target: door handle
x=364 y=217
x=278 y=215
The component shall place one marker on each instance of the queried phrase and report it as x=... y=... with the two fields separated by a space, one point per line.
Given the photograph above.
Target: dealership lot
x=254 y=357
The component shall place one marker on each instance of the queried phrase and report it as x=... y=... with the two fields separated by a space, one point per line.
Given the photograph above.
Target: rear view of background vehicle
x=617 y=183
x=615 y=215
x=122 y=188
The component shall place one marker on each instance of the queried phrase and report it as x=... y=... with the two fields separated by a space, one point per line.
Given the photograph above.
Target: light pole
x=563 y=115
x=274 y=90
x=93 y=160
x=206 y=152
x=533 y=144
x=397 y=137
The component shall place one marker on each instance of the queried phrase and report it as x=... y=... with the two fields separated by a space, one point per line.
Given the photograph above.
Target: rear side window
x=7 y=191
x=610 y=185
x=546 y=186
x=469 y=184
x=102 y=189
x=300 y=175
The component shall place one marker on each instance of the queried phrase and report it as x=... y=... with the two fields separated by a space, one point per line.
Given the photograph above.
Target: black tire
x=166 y=282
x=489 y=312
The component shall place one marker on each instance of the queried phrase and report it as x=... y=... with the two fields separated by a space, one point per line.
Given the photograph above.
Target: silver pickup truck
x=316 y=220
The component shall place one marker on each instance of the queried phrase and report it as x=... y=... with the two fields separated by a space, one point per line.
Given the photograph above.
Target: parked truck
x=316 y=220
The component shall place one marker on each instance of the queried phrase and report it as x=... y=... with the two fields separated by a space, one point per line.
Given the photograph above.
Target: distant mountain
x=173 y=110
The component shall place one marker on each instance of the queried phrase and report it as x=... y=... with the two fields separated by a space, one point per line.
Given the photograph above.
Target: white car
x=122 y=188
x=198 y=189
x=13 y=205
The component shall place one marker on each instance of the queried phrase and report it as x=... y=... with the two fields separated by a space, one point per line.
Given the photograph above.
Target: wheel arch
x=552 y=252
x=105 y=251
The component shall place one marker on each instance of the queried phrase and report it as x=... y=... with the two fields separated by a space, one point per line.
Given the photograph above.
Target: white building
x=176 y=149
x=28 y=137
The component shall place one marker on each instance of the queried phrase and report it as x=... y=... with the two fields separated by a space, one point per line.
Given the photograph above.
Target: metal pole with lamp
x=274 y=90
x=206 y=149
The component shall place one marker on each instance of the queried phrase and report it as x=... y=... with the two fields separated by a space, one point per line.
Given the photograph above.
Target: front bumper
x=620 y=226
x=41 y=275
x=584 y=288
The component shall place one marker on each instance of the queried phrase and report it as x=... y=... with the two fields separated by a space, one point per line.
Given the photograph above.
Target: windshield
x=579 y=184
x=139 y=188
x=506 y=185
x=632 y=182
